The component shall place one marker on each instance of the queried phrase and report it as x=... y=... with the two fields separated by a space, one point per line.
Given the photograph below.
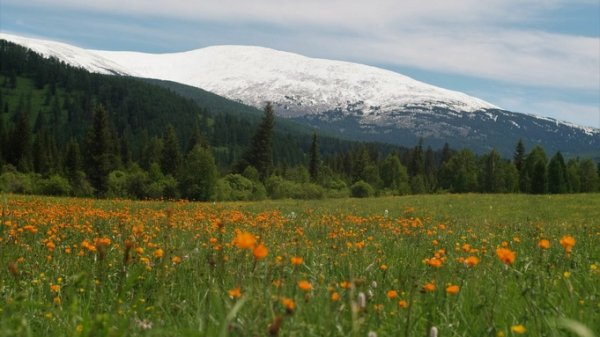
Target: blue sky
x=534 y=56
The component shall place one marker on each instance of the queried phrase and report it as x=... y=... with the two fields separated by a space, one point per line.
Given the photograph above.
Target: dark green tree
x=98 y=147
x=260 y=154
x=590 y=182
x=198 y=175
x=73 y=159
x=171 y=154
x=558 y=181
x=534 y=176
x=315 y=160
x=492 y=175
x=394 y=175
x=21 y=144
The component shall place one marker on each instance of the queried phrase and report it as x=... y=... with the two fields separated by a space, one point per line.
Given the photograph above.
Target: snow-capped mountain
x=359 y=101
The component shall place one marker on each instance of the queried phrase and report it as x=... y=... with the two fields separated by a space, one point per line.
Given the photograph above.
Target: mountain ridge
x=333 y=95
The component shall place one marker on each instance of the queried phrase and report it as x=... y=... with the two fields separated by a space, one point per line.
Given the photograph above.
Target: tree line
x=64 y=131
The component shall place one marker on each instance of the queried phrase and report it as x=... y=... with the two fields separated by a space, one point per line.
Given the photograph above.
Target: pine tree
x=261 y=151
x=21 y=144
x=98 y=148
x=519 y=162
x=519 y=155
x=417 y=162
x=557 y=175
x=590 y=181
x=171 y=154
x=315 y=161
x=73 y=159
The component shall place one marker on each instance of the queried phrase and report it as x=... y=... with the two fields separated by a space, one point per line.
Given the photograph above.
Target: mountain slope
x=352 y=100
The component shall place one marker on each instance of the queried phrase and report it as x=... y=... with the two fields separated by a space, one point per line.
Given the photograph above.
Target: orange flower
x=305 y=285
x=288 y=304
x=159 y=253
x=176 y=260
x=296 y=260
x=244 y=240
x=54 y=288
x=391 y=294
x=471 y=261
x=260 y=252
x=235 y=292
x=345 y=284
x=383 y=267
x=506 y=255
x=452 y=289
x=567 y=242
x=434 y=262
x=403 y=304
x=429 y=287
x=544 y=244
x=335 y=297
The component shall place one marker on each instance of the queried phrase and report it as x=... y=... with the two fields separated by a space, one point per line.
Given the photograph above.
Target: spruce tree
x=98 y=148
x=21 y=144
x=261 y=151
x=73 y=159
x=171 y=154
x=519 y=161
x=557 y=175
x=315 y=161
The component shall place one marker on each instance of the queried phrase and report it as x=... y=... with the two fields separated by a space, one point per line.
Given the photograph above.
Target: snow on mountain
x=72 y=55
x=310 y=89
x=255 y=75
x=301 y=85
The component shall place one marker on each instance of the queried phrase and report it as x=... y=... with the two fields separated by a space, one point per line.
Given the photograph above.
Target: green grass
x=116 y=291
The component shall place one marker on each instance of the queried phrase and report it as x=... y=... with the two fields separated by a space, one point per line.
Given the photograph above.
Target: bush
x=361 y=189
x=54 y=185
x=238 y=187
x=12 y=181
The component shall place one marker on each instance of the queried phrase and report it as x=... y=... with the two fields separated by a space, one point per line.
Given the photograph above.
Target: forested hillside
x=70 y=132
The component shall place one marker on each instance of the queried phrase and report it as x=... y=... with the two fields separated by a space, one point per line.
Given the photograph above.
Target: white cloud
x=468 y=37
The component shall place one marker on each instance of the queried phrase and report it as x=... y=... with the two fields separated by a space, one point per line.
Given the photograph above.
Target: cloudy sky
x=534 y=56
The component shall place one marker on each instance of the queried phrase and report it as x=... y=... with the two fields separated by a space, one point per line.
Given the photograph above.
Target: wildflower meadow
x=449 y=265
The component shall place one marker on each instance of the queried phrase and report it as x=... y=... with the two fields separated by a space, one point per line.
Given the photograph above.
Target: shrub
x=361 y=189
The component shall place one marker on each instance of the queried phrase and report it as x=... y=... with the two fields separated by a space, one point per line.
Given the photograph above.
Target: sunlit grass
x=470 y=265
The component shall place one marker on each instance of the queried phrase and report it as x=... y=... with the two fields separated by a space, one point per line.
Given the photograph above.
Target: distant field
x=468 y=265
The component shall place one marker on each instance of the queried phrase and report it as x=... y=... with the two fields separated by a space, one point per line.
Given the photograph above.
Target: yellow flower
x=518 y=329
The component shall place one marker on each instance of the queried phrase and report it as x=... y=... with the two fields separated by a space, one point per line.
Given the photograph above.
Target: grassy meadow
x=464 y=265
